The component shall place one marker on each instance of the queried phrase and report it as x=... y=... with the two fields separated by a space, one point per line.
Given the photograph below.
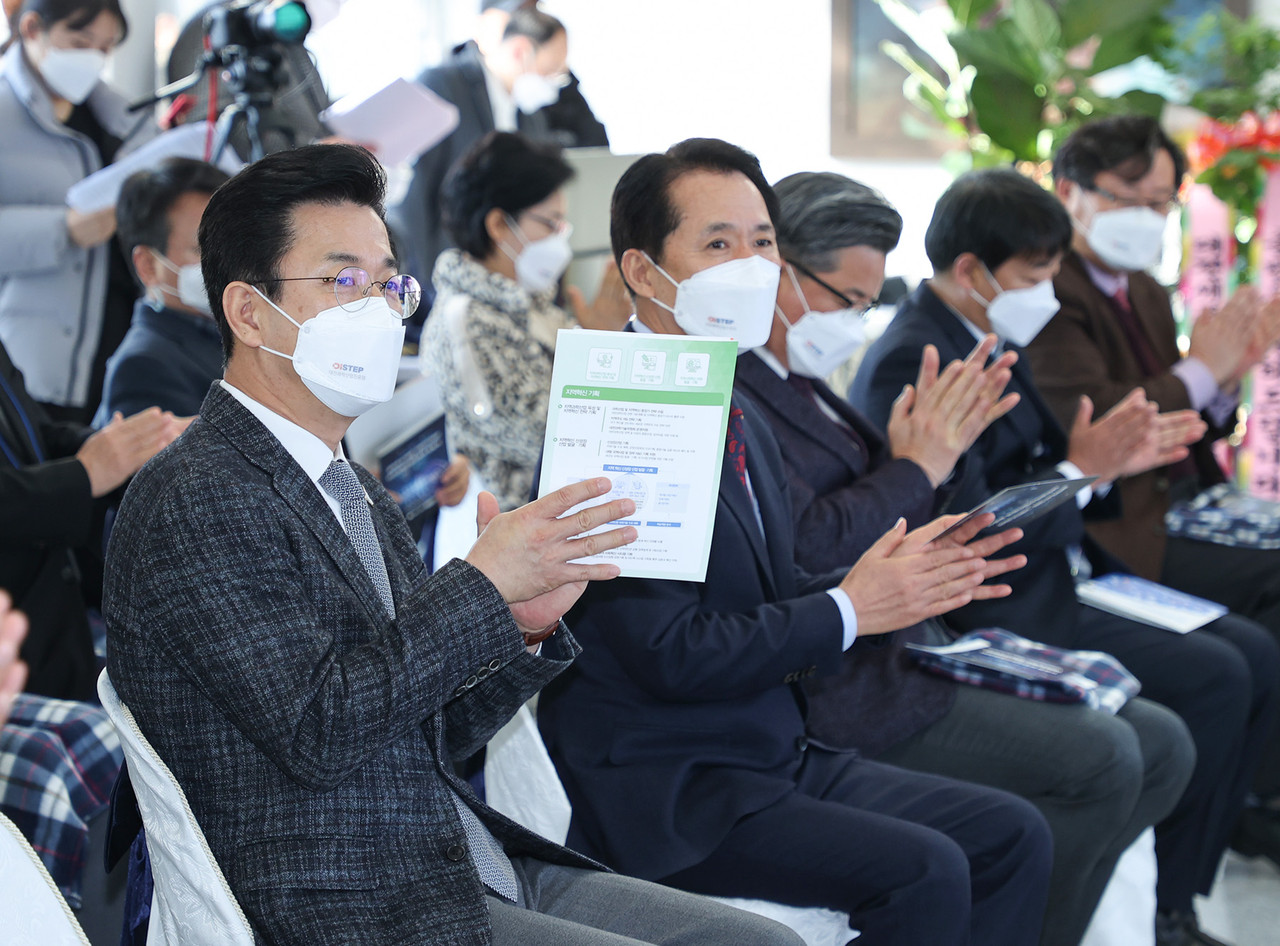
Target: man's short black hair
x=248 y=226
x=822 y=213
x=996 y=214
x=1125 y=145
x=531 y=22
x=502 y=170
x=146 y=197
x=642 y=216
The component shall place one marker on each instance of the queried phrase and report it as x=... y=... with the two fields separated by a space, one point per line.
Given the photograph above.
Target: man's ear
x=144 y=264
x=640 y=274
x=968 y=271
x=1062 y=187
x=241 y=305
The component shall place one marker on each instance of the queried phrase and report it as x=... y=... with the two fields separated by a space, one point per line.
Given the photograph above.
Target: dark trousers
x=1248 y=582
x=1099 y=780
x=1224 y=681
x=912 y=858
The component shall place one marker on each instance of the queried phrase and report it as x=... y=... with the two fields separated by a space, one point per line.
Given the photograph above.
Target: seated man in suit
x=279 y=642
x=995 y=242
x=1098 y=779
x=56 y=483
x=1119 y=179
x=680 y=737
x=171 y=353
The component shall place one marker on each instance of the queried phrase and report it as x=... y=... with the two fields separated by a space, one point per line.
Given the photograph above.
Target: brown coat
x=1083 y=350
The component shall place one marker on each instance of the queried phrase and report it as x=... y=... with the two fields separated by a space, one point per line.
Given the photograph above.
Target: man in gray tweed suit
x=273 y=629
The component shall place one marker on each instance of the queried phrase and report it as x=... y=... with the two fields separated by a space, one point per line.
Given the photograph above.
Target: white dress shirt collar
x=501 y=103
x=308 y=451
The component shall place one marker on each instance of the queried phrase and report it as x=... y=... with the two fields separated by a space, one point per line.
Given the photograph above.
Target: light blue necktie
x=341 y=482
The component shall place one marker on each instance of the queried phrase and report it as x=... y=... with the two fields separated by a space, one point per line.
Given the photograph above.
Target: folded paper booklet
x=101 y=189
x=1018 y=505
x=412 y=466
x=650 y=413
x=399 y=121
x=1140 y=600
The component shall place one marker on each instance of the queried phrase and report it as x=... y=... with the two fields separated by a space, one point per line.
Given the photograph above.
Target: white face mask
x=734 y=299
x=1130 y=238
x=348 y=360
x=72 y=73
x=533 y=91
x=1018 y=315
x=540 y=263
x=191 y=291
x=820 y=342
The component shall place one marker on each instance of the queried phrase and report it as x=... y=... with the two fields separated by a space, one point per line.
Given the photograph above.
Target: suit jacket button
x=471 y=681
x=494 y=664
x=801 y=743
x=455 y=852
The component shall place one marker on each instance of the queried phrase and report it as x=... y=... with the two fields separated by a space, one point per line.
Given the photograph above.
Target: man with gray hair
x=1099 y=780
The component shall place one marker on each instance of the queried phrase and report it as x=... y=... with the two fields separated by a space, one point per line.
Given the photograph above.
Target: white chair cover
x=32 y=908
x=1126 y=913
x=192 y=905
x=521 y=782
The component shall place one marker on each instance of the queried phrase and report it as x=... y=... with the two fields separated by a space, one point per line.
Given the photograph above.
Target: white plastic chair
x=1126 y=913
x=31 y=904
x=192 y=904
x=521 y=782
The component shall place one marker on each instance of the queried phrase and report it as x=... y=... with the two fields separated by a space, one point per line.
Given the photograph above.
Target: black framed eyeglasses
x=859 y=308
x=1165 y=207
x=352 y=285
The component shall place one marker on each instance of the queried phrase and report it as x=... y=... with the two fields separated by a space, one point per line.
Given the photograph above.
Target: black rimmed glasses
x=352 y=285
x=1163 y=207
x=858 y=308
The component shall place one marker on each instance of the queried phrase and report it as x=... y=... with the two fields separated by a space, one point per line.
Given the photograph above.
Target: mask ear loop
x=977 y=296
x=795 y=283
x=278 y=354
x=515 y=228
x=654 y=299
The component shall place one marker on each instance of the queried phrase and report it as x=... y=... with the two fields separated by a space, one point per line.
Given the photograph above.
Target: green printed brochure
x=648 y=412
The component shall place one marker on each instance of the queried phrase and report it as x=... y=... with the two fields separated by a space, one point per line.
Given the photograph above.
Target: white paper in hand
x=400 y=120
x=101 y=189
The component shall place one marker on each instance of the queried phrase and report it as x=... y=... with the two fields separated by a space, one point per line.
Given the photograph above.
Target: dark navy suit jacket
x=846 y=492
x=1023 y=446
x=681 y=716
x=167 y=360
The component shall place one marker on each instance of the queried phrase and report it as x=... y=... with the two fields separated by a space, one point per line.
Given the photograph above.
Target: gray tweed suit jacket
x=314 y=735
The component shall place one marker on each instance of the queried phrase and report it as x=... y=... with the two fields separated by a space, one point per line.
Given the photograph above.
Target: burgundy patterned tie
x=736 y=445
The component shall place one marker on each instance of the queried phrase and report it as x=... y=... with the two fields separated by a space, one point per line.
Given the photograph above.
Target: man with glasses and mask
x=1098 y=779
x=680 y=737
x=280 y=644
x=996 y=241
x=1119 y=180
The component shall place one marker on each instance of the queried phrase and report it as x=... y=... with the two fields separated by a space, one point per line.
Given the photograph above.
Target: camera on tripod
x=253 y=24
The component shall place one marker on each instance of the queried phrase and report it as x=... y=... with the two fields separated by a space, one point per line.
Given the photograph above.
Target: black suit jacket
x=845 y=494
x=417 y=220
x=1024 y=445
x=47 y=512
x=314 y=734
x=682 y=717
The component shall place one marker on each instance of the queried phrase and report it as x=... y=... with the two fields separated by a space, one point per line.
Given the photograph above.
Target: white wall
x=754 y=72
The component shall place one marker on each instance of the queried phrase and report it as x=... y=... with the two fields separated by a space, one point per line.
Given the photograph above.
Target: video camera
x=255 y=23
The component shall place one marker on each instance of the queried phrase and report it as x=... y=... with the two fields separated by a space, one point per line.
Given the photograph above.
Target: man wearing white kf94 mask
x=716 y=661
x=996 y=231
x=172 y=352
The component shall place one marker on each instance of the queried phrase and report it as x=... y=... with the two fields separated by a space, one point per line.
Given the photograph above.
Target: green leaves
x=1082 y=19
